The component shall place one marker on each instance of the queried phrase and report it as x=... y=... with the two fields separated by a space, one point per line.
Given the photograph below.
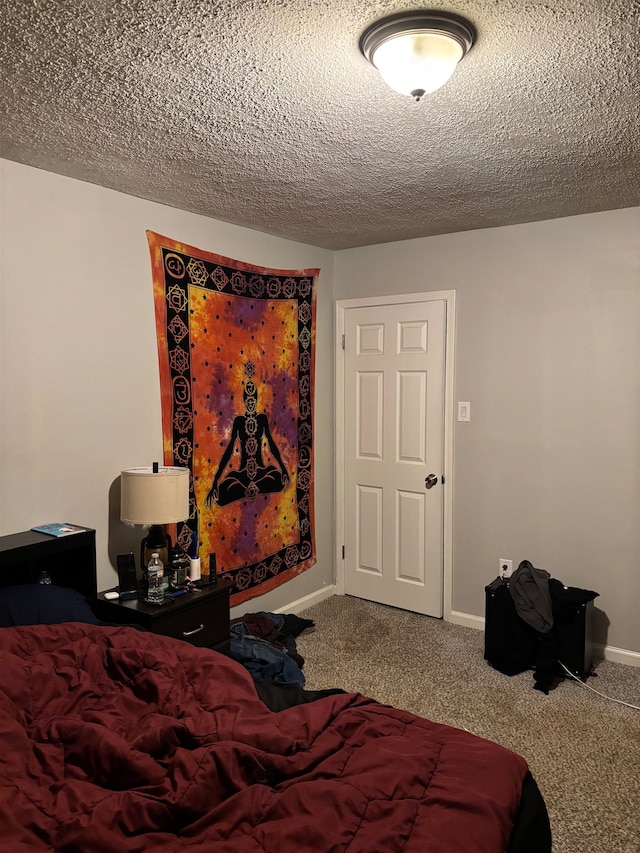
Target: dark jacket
x=529 y=588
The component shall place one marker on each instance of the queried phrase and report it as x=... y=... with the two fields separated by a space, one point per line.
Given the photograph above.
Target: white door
x=394 y=380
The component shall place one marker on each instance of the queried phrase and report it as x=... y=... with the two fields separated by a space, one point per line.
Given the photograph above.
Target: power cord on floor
x=593 y=690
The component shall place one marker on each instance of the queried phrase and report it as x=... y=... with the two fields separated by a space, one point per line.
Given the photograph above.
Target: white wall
x=79 y=365
x=548 y=354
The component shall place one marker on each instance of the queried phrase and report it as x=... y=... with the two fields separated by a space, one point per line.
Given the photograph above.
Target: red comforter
x=116 y=740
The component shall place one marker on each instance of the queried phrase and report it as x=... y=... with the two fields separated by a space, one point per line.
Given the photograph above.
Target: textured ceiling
x=265 y=114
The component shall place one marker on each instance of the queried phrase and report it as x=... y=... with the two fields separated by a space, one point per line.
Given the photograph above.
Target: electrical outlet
x=505 y=567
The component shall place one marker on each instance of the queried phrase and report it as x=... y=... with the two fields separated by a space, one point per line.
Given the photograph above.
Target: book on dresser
x=59 y=529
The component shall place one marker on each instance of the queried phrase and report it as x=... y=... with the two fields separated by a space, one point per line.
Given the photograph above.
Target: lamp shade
x=149 y=497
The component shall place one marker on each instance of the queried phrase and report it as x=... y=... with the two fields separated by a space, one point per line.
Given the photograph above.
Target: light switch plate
x=464 y=412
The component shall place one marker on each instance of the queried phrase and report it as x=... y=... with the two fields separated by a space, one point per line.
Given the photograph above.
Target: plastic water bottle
x=155 y=573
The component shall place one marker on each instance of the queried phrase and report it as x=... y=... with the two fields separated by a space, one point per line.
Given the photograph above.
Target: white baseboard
x=308 y=600
x=466 y=620
x=616 y=655
x=602 y=652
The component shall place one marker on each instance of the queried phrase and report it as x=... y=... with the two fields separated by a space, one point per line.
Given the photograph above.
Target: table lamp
x=154 y=496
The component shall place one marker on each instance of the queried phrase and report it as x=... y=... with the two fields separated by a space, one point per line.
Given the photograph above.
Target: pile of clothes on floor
x=265 y=644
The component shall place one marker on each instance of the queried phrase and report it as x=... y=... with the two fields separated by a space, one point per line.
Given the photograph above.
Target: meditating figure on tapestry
x=253 y=477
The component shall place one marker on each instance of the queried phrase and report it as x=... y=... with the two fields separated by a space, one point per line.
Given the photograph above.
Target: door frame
x=342 y=306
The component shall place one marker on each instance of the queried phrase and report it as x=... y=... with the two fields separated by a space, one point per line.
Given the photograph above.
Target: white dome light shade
x=420 y=62
x=417 y=52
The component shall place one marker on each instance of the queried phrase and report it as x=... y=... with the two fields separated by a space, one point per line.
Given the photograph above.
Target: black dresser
x=69 y=560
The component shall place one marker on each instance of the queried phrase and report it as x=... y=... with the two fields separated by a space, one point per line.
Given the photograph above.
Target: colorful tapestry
x=236 y=345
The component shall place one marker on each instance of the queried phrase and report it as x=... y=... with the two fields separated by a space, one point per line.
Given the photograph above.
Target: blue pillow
x=42 y=604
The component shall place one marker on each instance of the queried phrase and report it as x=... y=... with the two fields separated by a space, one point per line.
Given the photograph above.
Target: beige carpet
x=583 y=750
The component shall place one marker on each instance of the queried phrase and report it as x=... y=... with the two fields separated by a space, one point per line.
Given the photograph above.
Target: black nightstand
x=200 y=617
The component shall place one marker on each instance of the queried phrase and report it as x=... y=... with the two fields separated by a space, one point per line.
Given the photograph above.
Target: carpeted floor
x=583 y=750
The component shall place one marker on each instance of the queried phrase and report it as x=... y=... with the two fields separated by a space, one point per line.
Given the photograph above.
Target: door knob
x=430 y=481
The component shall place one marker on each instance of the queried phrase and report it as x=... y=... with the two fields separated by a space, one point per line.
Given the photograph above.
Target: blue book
x=59 y=529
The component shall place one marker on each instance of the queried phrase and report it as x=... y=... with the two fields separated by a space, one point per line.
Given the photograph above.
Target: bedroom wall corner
x=80 y=381
x=548 y=353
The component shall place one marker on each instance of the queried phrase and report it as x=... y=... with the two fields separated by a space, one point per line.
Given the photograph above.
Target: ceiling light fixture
x=417 y=52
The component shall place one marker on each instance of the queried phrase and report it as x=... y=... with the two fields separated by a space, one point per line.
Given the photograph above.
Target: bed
x=115 y=739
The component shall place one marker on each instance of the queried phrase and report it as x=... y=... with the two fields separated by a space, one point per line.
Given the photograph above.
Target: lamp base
x=157 y=541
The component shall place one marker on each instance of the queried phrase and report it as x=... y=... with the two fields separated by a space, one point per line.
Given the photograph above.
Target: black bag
x=509 y=643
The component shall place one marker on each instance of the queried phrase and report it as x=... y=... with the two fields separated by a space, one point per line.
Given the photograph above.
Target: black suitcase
x=512 y=646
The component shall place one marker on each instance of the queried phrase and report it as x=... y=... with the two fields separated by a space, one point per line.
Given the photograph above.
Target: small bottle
x=172 y=568
x=177 y=568
x=183 y=569
x=155 y=573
